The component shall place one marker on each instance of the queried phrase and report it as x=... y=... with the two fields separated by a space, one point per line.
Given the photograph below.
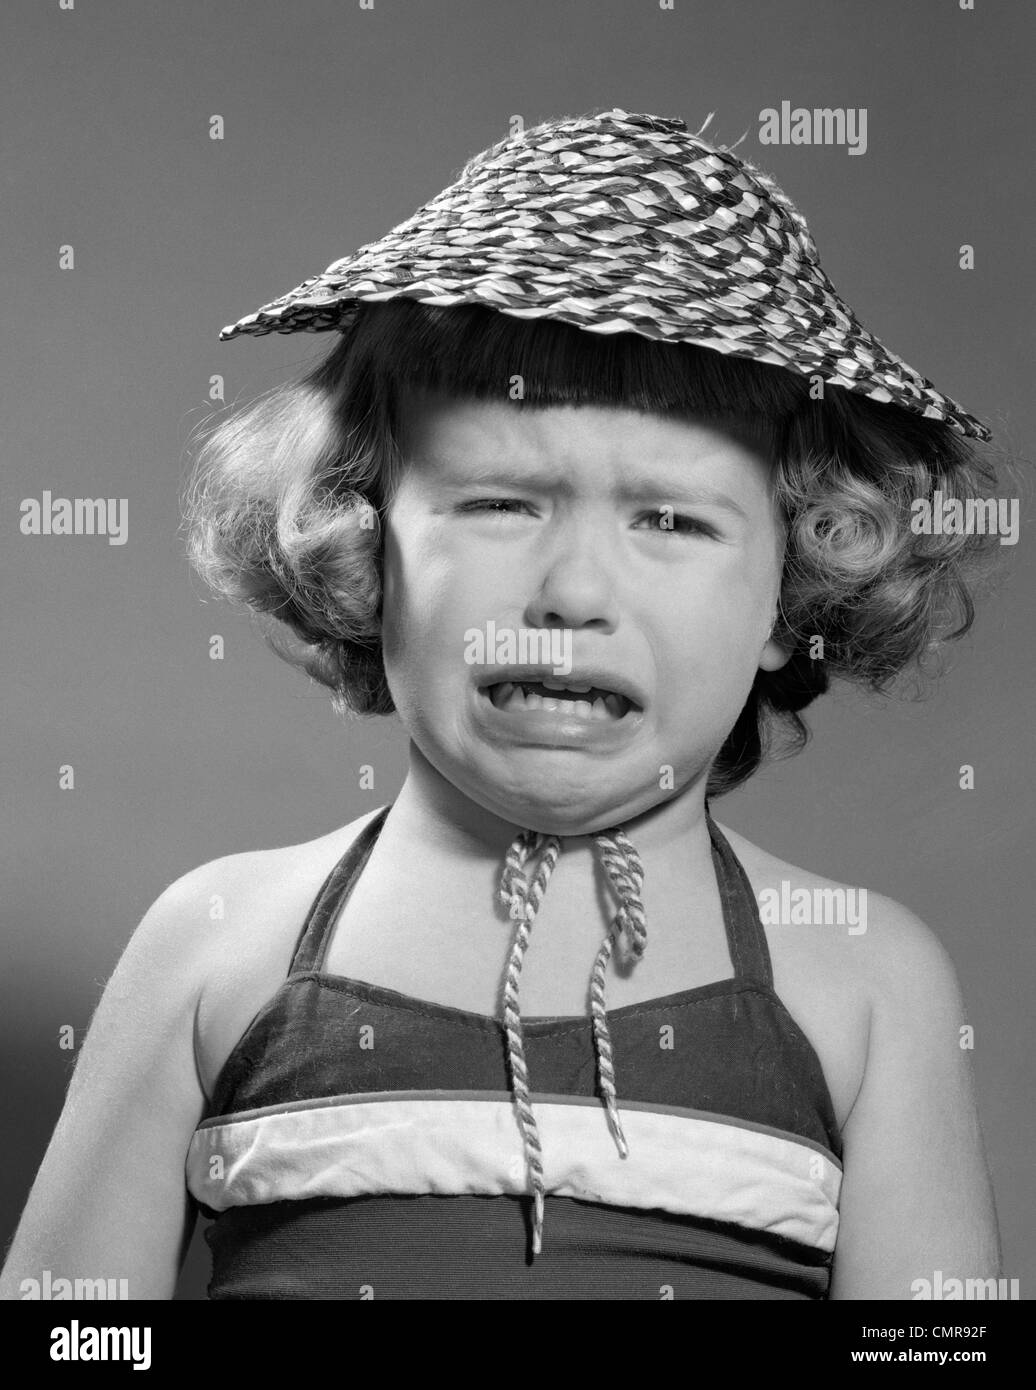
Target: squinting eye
x=506 y=506
x=493 y=505
x=687 y=524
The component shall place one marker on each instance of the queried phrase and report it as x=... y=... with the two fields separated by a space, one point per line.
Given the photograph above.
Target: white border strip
x=459 y=1146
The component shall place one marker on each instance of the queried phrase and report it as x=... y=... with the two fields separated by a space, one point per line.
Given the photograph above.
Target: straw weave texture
x=621 y=223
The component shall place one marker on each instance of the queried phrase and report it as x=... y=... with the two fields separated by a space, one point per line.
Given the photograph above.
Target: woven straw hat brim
x=621 y=223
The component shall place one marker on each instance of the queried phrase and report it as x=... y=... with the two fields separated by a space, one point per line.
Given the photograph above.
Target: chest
x=460 y=959
x=460 y=952
x=450 y=950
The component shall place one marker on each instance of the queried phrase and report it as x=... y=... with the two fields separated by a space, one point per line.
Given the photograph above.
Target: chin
x=585 y=816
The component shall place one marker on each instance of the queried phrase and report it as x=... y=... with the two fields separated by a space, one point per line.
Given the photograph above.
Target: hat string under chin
x=626 y=873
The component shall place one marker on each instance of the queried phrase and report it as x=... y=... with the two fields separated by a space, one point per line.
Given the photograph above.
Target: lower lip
x=554 y=728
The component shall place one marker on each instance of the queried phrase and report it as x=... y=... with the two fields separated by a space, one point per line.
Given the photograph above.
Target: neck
x=432 y=811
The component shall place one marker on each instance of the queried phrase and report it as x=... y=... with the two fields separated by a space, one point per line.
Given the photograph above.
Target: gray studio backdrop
x=339 y=122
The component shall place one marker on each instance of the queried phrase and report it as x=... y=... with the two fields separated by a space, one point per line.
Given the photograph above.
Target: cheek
x=714 y=626
x=734 y=588
x=429 y=598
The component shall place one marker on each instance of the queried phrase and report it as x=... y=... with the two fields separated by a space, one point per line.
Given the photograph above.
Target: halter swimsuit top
x=362 y=1143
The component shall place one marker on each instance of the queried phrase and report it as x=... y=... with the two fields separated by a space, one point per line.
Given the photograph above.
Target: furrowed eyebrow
x=691 y=494
x=630 y=490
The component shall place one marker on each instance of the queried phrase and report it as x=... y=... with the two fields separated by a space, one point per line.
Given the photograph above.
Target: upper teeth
x=601 y=706
x=552 y=683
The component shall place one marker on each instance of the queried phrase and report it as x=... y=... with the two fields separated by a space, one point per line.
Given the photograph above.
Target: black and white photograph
x=517 y=650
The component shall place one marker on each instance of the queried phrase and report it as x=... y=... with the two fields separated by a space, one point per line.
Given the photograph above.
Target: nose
x=577 y=585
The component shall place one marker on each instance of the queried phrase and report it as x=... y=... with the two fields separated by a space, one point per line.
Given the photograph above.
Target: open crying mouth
x=593 y=703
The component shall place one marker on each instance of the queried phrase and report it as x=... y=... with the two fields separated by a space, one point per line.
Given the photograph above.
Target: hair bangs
x=473 y=351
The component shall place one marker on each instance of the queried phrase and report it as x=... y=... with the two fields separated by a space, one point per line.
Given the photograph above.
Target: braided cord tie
x=626 y=873
x=524 y=900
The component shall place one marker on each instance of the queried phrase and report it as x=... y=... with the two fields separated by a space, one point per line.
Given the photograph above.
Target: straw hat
x=621 y=223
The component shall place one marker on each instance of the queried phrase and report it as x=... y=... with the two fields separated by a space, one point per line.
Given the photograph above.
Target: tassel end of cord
x=616 y=1127
x=537 y=1223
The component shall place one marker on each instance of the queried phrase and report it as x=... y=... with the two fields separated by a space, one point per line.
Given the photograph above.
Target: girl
x=599 y=486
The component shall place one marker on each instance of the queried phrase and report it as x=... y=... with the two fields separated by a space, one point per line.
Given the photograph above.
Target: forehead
x=444 y=432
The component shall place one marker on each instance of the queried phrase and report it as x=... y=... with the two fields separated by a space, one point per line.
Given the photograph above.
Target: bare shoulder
x=221 y=932
x=891 y=943
x=876 y=993
x=245 y=895
x=254 y=905
x=844 y=957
